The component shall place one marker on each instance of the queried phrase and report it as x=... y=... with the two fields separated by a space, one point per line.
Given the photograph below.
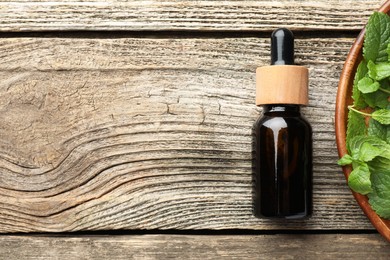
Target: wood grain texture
x=146 y=133
x=370 y=246
x=233 y=15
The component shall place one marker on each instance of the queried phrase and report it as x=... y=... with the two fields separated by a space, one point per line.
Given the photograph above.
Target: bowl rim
x=341 y=114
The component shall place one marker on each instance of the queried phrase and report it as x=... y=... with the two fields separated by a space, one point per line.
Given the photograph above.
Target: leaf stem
x=384 y=90
x=357 y=111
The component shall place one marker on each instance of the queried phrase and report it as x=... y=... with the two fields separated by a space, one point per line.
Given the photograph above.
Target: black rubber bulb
x=282 y=47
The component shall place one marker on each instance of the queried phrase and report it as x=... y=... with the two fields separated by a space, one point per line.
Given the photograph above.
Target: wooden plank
x=233 y=15
x=144 y=133
x=282 y=246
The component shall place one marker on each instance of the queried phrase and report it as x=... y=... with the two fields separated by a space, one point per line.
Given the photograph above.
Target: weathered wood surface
x=146 y=133
x=352 y=246
x=233 y=15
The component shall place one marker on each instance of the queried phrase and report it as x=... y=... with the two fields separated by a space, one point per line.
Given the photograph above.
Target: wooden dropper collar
x=282 y=82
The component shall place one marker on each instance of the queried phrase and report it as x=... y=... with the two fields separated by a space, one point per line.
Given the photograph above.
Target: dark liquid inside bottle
x=283 y=163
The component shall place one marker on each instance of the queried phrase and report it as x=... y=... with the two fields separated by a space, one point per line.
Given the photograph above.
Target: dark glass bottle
x=283 y=163
x=282 y=137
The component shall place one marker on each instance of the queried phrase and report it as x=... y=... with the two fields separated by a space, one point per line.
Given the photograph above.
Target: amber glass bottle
x=282 y=137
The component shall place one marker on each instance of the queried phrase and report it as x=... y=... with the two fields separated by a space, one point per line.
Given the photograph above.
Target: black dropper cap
x=282 y=47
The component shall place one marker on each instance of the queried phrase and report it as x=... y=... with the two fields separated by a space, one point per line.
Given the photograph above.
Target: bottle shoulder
x=277 y=120
x=304 y=120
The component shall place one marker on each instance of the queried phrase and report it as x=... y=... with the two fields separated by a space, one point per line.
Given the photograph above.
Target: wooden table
x=128 y=123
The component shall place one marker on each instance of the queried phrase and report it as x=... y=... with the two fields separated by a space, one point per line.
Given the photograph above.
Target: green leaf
x=345 y=160
x=385 y=86
x=388 y=52
x=355 y=127
x=368 y=85
x=377 y=37
x=379 y=198
x=356 y=94
x=377 y=129
x=359 y=179
x=379 y=70
x=367 y=152
x=382 y=116
x=359 y=140
x=376 y=99
x=356 y=146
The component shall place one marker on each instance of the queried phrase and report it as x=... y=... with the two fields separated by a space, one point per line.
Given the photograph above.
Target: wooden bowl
x=342 y=101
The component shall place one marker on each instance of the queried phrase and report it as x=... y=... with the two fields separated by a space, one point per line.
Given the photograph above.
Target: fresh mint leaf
x=368 y=85
x=377 y=37
x=380 y=164
x=377 y=129
x=367 y=152
x=388 y=52
x=345 y=160
x=378 y=71
x=376 y=99
x=382 y=116
x=385 y=86
x=379 y=198
x=357 y=144
x=359 y=179
x=355 y=127
x=357 y=96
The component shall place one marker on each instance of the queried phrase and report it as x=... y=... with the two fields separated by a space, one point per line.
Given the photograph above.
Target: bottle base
x=298 y=216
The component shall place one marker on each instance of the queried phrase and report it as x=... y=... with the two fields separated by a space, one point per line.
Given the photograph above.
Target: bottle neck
x=283 y=109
